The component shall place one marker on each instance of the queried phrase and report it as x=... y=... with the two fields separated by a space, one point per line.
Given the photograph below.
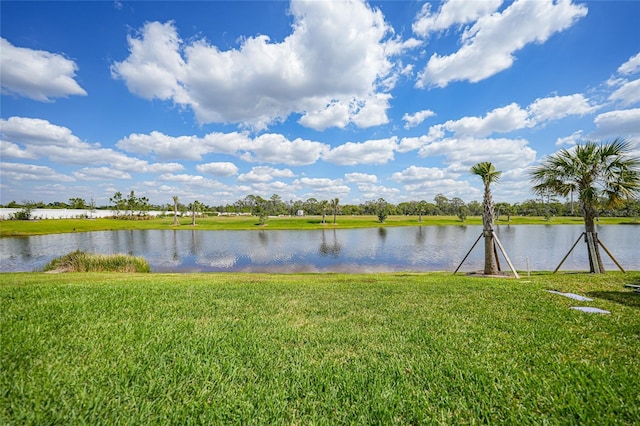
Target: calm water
x=429 y=248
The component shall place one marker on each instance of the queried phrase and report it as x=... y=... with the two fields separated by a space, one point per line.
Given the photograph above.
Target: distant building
x=300 y=213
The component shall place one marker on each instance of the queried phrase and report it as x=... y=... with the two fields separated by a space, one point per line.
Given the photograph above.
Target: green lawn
x=52 y=226
x=317 y=349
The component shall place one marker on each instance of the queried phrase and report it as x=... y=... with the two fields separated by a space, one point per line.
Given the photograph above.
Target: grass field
x=88 y=348
x=10 y=228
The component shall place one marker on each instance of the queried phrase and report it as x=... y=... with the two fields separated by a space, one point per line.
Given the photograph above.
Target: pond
x=420 y=248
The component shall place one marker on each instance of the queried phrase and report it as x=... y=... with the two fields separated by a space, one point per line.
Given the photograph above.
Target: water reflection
x=420 y=248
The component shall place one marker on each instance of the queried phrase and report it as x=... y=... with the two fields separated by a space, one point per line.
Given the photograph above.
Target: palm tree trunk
x=490 y=265
x=593 y=247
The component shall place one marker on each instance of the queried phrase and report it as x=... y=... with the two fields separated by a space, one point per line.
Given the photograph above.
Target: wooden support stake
x=611 y=256
x=568 y=253
x=504 y=253
x=468 y=253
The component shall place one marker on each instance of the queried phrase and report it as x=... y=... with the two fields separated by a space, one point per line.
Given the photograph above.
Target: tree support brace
x=502 y=250
x=591 y=246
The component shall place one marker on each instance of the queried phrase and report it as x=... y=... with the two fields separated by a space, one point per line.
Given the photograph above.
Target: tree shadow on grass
x=624 y=297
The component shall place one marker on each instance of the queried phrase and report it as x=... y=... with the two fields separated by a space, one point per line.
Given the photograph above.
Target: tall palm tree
x=175 y=210
x=489 y=175
x=595 y=171
x=334 y=205
x=324 y=204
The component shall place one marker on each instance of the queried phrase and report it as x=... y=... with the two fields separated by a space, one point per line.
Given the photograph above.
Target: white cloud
x=570 y=140
x=414 y=174
x=337 y=55
x=12 y=150
x=620 y=123
x=502 y=120
x=165 y=147
x=409 y=144
x=275 y=148
x=37 y=74
x=631 y=66
x=461 y=154
x=322 y=188
x=373 y=192
x=41 y=139
x=265 y=174
x=191 y=180
x=378 y=151
x=222 y=168
x=488 y=46
x=557 y=107
x=360 y=178
x=452 y=12
x=19 y=171
x=38 y=132
x=627 y=94
x=100 y=173
x=412 y=120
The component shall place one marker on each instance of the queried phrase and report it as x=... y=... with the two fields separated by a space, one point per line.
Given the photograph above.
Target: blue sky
x=213 y=101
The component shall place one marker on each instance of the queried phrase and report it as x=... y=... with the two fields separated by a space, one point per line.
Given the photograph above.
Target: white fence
x=66 y=213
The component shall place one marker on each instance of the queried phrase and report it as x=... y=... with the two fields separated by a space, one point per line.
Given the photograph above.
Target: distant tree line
x=133 y=206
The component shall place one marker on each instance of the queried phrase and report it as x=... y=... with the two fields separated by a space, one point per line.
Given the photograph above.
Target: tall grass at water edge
x=79 y=261
x=317 y=349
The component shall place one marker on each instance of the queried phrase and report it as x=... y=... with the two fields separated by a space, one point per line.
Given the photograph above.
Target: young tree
x=77 y=203
x=594 y=171
x=382 y=210
x=118 y=202
x=489 y=175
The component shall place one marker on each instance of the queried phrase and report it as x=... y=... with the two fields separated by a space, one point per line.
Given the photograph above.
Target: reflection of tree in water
x=262 y=236
x=420 y=236
x=176 y=254
x=333 y=248
x=382 y=232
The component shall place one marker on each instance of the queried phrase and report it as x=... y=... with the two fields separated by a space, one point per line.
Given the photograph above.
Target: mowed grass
x=317 y=349
x=9 y=228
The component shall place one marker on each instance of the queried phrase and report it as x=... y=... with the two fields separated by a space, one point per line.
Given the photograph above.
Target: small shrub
x=79 y=261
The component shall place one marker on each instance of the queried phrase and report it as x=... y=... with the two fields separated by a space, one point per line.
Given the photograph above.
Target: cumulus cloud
x=37 y=138
x=620 y=123
x=415 y=174
x=462 y=153
x=557 y=107
x=378 y=151
x=191 y=180
x=412 y=120
x=334 y=68
x=265 y=174
x=450 y=13
x=632 y=66
x=360 y=178
x=100 y=173
x=37 y=74
x=501 y=120
x=570 y=140
x=19 y=171
x=275 y=148
x=627 y=94
x=489 y=45
x=221 y=168
x=268 y=147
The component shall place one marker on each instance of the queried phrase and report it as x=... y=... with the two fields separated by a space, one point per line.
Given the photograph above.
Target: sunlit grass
x=52 y=226
x=317 y=349
x=79 y=261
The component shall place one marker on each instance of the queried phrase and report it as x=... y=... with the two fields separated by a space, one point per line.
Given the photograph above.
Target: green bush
x=79 y=261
